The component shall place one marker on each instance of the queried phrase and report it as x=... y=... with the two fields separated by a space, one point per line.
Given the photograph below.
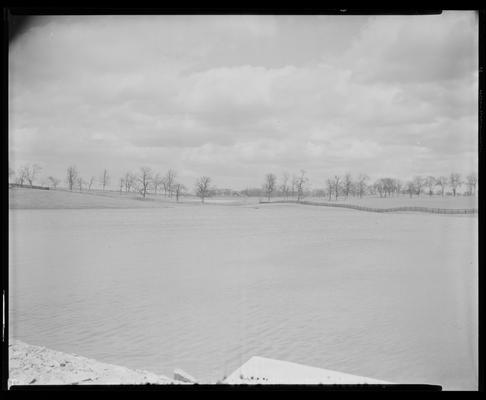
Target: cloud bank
x=235 y=97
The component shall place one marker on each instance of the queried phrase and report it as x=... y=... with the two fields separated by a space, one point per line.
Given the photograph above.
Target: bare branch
x=202 y=187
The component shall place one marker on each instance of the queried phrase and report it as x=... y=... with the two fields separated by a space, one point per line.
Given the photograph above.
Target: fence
x=18 y=185
x=384 y=210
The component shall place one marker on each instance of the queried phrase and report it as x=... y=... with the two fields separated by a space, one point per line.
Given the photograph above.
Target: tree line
x=346 y=186
x=146 y=181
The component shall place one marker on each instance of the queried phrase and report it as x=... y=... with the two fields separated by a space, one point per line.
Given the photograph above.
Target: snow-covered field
x=204 y=288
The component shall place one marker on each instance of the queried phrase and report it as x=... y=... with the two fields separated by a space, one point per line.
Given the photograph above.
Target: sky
x=237 y=97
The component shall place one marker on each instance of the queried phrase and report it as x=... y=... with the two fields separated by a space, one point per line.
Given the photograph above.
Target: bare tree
x=122 y=183
x=54 y=181
x=329 y=188
x=90 y=182
x=300 y=185
x=472 y=181
x=347 y=184
x=454 y=182
x=269 y=185
x=28 y=173
x=105 y=179
x=22 y=175
x=202 y=187
x=419 y=183
x=410 y=188
x=379 y=187
x=129 y=181
x=157 y=181
x=144 y=180
x=284 y=187
x=80 y=183
x=430 y=183
x=168 y=182
x=442 y=182
x=337 y=182
x=361 y=184
x=72 y=175
x=179 y=189
x=293 y=185
x=397 y=184
x=390 y=186
x=387 y=186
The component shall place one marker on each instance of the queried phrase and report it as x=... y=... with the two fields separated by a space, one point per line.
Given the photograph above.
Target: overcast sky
x=235 y=97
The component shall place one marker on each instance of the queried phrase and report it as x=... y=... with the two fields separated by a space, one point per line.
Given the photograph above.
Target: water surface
x=204 y=288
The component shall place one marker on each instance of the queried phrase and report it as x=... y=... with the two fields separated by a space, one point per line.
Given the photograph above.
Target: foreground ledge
x=35 y=365
x=261 y=370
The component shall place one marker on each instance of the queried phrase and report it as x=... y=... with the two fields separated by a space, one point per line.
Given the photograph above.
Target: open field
x=23 y=198
x=20 y=198
x=204 y=288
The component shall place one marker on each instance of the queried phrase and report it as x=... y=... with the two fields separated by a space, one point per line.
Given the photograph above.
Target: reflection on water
x=391 y=297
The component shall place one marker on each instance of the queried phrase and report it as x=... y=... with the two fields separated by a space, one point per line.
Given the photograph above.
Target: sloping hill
x=22 y=198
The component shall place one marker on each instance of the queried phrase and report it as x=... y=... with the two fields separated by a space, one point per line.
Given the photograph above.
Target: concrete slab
x=261 y=370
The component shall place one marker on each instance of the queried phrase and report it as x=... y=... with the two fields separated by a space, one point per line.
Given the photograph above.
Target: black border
x=28 y=9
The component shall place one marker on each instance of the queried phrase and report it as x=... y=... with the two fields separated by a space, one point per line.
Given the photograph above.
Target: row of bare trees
x=75 y=180
x=420 y=184
x=387 y=187
x=345 y=186
x=146 y=181
x=26 y=175
x=289 y=186
x=297 y=186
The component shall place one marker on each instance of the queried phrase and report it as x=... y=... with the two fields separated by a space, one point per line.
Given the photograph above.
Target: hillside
x=22 y=198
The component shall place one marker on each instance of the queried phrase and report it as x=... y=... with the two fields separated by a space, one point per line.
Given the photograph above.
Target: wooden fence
x=17 y=185
x=384 y=210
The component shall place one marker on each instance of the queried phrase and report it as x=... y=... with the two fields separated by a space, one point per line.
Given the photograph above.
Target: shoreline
x=38 y=365
x=26 y=198
x=429 y=210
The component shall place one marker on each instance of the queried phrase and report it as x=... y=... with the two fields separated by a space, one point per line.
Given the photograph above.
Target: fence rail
x=18 y=185
x=384 y=210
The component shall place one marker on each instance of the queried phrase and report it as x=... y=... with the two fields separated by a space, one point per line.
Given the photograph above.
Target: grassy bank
x=449 y=202
x=27 y=198
x=430 y=210
x=21 y=198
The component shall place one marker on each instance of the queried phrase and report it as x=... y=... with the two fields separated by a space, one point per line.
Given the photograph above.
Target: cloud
x=416 y=49
x=238 y=96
